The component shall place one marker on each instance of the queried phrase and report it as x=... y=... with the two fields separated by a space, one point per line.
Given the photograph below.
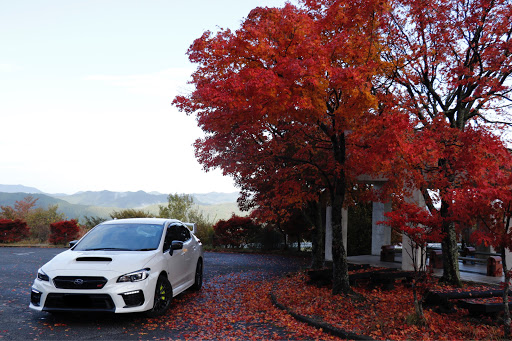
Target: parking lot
x=18 y=268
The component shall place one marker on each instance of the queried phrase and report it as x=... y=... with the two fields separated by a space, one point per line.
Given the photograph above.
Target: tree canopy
x=302 y=100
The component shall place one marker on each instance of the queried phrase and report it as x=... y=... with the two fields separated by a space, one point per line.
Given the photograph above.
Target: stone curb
x=317 y=324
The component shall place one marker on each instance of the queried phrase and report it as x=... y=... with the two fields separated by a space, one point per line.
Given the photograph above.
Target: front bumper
x=113 y=297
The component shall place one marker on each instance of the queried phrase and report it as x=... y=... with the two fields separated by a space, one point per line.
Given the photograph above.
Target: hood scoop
x=94 y=259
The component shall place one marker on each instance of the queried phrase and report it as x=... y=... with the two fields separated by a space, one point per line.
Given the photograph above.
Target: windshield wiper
x=108 y=249
x=151 y=249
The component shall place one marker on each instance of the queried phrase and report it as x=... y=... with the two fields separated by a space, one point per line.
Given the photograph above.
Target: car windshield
x=122 y=237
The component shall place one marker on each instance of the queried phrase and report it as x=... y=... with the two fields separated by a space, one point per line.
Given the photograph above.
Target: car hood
x=118 y=261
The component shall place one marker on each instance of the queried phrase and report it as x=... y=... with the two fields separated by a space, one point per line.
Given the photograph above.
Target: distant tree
x=13 y=230
x=178 y=206
x=23 y=207
x=64 y=231
x=130 y=213
x=90 y=222
x=181 y=207
x=298 y=226
x=20 y=210
x=204 y=226
x=7 y=213
x=235 y=232
x=39 y=221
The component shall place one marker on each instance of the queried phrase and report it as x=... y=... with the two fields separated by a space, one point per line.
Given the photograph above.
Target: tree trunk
x=341 y=284
x=314 y=215
x=285 y=236
x=418 y=306
x=420 y=276
x=451 y=273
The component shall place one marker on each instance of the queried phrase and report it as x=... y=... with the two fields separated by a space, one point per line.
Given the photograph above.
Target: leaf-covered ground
x=234 y=307
x=382 y=314
x=238 y=307
x=235 y=304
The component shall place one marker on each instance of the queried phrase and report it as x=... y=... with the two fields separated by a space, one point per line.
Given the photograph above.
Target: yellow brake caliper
x=162 y=292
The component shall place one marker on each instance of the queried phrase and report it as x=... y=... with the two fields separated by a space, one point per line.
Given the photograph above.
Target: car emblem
x=78 y=281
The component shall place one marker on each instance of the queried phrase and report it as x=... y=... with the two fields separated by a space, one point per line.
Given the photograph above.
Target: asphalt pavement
x=18 y=268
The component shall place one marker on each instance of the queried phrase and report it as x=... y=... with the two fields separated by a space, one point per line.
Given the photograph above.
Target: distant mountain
x=102 y=203
x=214 y=198
x=18 y=189
x=115 y=199
x=140 y=199
x=71 y=211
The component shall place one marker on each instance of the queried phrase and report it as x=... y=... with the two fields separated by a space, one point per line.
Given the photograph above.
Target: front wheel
x=163 y=297
x=198 y=279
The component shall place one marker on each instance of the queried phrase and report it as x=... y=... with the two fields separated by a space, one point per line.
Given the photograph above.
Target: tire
x=163 y=297
x=198 y=279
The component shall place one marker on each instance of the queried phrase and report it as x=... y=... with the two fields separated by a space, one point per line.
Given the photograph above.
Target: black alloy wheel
x=163 y=297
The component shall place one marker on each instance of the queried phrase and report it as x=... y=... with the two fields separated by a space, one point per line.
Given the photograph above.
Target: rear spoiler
x=192 y=227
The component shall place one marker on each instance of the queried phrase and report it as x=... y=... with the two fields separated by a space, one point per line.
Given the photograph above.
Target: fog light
x=35 y=297
x=133 y=298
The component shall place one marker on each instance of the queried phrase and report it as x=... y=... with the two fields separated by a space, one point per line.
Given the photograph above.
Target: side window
x=177 y=232
x=172 y=234
x=168 y=239
x=185 y=233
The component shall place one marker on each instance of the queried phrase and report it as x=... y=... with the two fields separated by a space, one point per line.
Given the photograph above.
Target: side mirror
x=176 y=245
x=72 y=243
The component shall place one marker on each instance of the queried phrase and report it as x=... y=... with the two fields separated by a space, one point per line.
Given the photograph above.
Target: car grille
x=77 y=282
x=79 y=302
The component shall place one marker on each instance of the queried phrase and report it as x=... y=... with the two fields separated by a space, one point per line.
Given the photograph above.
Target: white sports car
x=122 y=266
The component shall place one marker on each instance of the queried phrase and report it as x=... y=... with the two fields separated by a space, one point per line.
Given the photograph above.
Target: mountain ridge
x=105 y=198
x=18 y=189
x=102 y=203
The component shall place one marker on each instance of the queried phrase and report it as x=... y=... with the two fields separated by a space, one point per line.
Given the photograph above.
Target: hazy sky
x=86 y=89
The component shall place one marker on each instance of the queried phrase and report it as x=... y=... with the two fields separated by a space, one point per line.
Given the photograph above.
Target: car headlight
x=135 y=276
x=42 y=276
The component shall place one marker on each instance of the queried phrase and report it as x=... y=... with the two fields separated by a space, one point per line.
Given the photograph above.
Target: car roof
x=160 y=221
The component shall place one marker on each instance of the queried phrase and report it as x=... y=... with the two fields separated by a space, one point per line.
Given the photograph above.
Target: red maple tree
x=64 y=231
x=13 y=230
x=488 y=207
x=235 y=232
x=284 y=90
x=451 y=69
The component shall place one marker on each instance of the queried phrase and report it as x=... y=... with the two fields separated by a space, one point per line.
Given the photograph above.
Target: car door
x=176 y=265
x=188 y=253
